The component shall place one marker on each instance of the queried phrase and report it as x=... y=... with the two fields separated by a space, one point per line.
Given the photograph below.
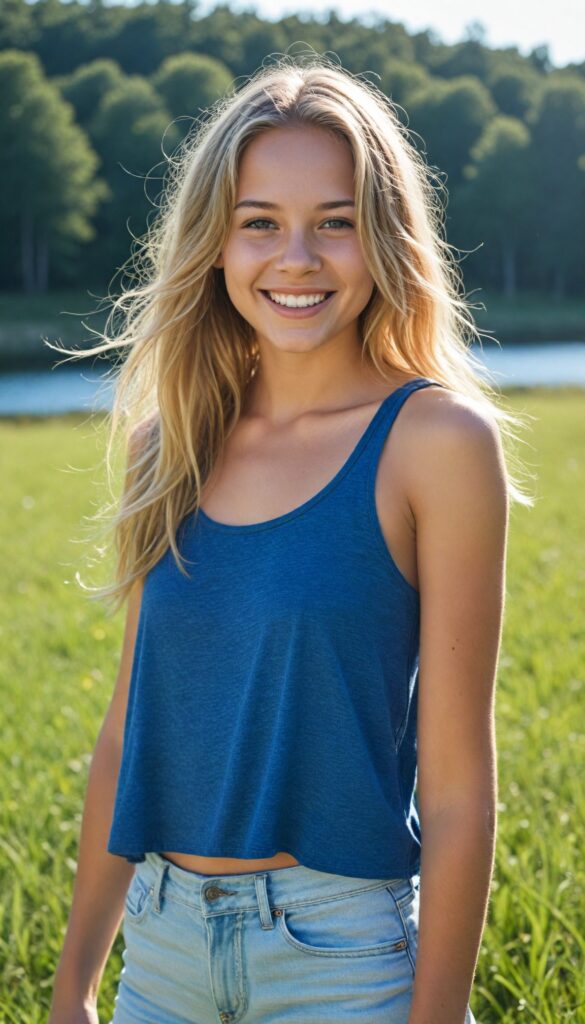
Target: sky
x=522 y=23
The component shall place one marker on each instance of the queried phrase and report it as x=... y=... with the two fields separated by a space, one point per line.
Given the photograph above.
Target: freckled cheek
x=348 y=257
x=240 y=260
x=240 y=266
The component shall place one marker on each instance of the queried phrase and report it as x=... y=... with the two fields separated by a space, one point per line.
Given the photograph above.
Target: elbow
x=476 y=813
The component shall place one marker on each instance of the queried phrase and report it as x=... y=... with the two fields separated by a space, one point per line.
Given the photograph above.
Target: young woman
x=311 y=537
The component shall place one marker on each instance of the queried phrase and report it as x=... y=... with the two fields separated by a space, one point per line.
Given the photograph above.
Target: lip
x=290 y=311
x=279 y=290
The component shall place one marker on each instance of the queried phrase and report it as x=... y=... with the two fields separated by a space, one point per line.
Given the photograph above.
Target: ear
x=219 y=262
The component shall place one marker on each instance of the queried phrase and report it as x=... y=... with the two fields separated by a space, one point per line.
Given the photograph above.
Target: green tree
x=259 y=38
x=364 y=49
x=450 y=117
x=47 y=166
x=493 y=206
x=88 y=85
x=131 y=126
x=190 y=82
x=61 y=31
x=470 y=57
x=147 y=34
x=220 y=34
x=557 y=178
x=514 y=87
x=515 y=90
x=401 y=79
x=17 y=30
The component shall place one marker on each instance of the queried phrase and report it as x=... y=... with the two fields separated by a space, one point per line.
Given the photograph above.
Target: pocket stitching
x=402 y=900
x=400 y=904
x=143 y=899
x=392 y=946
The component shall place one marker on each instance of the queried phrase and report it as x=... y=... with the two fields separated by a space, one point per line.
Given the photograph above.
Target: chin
x=288 y=344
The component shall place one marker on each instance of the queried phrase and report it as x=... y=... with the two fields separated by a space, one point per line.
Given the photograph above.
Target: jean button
x=213 y=893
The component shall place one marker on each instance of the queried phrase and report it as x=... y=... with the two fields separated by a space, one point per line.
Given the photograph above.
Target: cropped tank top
x=272 y=703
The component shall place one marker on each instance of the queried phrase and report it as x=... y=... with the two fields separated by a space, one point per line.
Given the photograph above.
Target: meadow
x=59 y=655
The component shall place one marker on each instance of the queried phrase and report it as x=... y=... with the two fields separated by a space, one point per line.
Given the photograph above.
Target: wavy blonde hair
x=188 y=355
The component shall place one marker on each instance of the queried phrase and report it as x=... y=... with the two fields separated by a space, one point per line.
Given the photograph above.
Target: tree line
x=94 y=97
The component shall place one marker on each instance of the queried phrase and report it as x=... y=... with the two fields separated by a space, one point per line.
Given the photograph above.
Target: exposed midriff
x=228 y=865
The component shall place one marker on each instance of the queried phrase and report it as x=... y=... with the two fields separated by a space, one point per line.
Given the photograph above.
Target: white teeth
x=297 y=301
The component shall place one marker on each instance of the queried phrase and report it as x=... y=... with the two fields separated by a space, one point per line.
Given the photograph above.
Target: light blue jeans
x=270 y=947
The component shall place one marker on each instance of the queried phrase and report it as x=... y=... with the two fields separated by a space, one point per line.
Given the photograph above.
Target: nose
x=297 y=256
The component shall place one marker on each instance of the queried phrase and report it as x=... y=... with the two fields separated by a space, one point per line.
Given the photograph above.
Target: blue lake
x=73 y=389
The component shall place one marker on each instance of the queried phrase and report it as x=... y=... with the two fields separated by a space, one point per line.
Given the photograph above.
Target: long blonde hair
x=188 y=355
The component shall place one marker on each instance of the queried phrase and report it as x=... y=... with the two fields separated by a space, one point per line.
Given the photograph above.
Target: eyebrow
x=260 y=204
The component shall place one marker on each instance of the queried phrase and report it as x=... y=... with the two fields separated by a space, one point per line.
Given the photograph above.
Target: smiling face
x=293 y=240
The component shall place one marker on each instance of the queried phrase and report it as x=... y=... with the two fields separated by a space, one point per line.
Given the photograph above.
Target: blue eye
x=338 y=220
x=264 y=221
x=259 y=220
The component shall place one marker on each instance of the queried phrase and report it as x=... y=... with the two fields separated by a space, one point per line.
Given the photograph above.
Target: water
x=50 y=392
x=71 y=389
x=545 y=365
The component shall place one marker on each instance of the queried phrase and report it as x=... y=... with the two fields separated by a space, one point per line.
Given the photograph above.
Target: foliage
x=188 y=83
x=152 y=68
x=47 y=166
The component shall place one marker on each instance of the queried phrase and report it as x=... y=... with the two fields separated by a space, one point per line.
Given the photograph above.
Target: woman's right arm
x=102 y=878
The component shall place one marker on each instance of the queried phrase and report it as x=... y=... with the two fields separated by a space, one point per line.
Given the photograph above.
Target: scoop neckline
x=267 y=524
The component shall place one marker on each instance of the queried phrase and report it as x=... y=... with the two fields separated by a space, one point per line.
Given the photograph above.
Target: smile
x=298 y=305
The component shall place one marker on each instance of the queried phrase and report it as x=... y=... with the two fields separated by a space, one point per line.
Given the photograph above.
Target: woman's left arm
x=459 y=500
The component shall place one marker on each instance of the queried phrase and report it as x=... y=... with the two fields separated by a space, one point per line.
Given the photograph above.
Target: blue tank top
x=273 y=696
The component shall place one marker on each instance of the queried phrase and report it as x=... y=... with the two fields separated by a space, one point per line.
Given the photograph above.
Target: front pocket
x=137 y=898
x=365 y=923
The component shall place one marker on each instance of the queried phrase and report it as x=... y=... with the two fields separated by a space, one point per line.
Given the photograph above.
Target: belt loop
x=156 y=889
x=263 y=904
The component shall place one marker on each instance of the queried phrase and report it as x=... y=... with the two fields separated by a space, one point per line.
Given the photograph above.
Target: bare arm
x=458 y=495
x=102 y=879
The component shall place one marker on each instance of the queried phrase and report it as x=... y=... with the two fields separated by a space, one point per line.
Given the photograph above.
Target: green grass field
x=59 y=657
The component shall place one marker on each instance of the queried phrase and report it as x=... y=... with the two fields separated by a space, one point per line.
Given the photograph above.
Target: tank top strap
x=382 y=425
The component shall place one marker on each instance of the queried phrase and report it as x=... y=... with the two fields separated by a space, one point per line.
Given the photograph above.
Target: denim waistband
x=264 y=890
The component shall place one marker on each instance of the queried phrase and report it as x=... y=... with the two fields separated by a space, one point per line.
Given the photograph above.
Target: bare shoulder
x=450 y=443
x=448 y=411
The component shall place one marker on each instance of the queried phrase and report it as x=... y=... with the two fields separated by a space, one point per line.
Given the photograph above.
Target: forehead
x=302 y=160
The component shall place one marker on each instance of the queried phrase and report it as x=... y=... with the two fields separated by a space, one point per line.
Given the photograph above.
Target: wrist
x=71 y=986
